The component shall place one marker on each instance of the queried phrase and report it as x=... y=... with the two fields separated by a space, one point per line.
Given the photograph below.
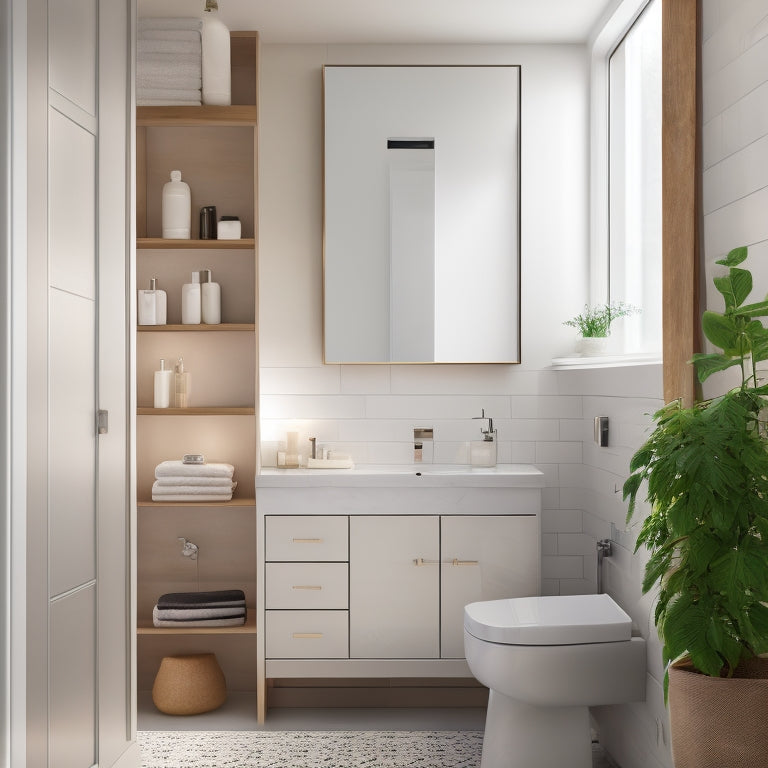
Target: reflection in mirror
x=421 y=231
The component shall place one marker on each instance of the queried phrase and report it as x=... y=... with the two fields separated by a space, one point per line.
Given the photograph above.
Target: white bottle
x=161 y=303
x=163 y=386
x=217 y=79
x=211 y=299
x=182 y=385
x=147 y=302
x=191 y=301
x=177 y=208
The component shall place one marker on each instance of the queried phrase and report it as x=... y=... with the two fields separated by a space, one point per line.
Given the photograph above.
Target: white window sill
x=606 y=361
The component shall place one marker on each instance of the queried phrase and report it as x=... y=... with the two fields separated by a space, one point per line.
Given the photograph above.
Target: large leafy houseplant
x=706 y=469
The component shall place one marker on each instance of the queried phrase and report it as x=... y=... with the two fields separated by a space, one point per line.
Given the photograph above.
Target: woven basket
x=189 y=685
x=719 y=722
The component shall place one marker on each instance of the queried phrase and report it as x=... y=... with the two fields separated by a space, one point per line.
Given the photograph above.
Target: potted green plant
x=594 y=325
x=705 y=470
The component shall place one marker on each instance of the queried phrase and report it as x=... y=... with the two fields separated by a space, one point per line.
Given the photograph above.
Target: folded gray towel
x=192 y=614
x=237 y=622
x=183 y=599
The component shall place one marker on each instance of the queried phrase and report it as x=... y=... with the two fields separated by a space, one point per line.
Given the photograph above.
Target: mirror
x=421 y=226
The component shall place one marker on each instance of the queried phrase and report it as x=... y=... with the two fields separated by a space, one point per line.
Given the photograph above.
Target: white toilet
x=546 y=660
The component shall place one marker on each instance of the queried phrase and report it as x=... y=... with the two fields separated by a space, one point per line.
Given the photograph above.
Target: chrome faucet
x=490 y=433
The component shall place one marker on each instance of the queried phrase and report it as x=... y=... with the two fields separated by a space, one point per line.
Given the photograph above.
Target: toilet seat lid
x=555 y=620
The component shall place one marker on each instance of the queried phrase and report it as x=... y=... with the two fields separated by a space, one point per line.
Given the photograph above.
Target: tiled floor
x=238 y=713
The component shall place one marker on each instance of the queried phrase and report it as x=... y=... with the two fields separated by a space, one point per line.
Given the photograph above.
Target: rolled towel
x=206 y=482
x=177 y=467
x=145 y=23
x=236 y=621
x=212 y=597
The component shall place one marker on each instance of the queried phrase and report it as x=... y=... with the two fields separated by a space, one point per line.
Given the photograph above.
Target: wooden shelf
x=233 y=503
x=163 y=243
x=176 y=328
x=202 y=411
x=249 y=628
x=206 y=114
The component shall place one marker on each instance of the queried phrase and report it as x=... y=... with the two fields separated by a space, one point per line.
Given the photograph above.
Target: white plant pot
x=592 y=346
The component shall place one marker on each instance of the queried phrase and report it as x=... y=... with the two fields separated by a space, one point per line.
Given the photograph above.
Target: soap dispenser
x=482 y=453
x=176 y=208
x=182 y=385
x=191 y=301
x=152 y=305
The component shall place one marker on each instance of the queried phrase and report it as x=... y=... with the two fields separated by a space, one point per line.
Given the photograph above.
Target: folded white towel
x=178 y=467
x=180 y=36
x=162 y=71
x=186 y=614
x=160 y=50
x=142 y=102
x=192 y=481
x=192 y=490
x=188 y=498
x=164 y=22
x=168 y=94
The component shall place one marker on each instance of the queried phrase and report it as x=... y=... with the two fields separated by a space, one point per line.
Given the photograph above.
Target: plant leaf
x=708 y=363
x=734 y=257
x=720 y=329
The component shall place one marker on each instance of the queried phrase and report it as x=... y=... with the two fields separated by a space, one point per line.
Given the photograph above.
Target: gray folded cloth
x=233 y=622
x=198 y=599
x=191 y=614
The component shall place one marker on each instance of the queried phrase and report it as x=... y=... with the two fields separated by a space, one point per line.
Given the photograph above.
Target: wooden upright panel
x=680 y=139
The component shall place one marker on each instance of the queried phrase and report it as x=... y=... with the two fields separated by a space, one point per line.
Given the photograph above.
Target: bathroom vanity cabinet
x=366 y=575
x=215 y=148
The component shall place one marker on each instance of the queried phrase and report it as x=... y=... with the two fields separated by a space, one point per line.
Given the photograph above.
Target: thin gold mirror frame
x=474 y=296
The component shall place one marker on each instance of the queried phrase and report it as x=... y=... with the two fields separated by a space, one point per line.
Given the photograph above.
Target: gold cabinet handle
x=306 y=586
x=307 y=635
x=456 y=561
x=420 y=561
x=307 y=541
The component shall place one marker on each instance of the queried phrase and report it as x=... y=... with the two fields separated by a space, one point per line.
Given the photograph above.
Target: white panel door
x=394 y=589
x=484 y=558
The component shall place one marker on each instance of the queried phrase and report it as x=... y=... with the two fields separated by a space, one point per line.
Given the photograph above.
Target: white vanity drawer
x=307 y=585
x=306 y=537
x=307 y=635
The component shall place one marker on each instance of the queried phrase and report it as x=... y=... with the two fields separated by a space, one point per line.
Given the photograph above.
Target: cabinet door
x=484 y=558
x=394 y=583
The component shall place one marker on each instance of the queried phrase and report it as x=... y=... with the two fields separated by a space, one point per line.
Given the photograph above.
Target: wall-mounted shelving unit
x=216 y=150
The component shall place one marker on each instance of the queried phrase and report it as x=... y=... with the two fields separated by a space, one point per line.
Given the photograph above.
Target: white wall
x=370 y=410
x=735 y=136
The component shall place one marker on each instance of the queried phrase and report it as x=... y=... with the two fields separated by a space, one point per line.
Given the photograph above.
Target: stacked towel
x=169 y=62
x=176 y=481
x=223 y=608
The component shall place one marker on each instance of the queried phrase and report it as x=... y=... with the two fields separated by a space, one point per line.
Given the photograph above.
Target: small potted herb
x=594 y=325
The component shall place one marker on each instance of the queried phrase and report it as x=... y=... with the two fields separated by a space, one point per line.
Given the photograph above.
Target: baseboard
x=131 y=758
x=396 y=692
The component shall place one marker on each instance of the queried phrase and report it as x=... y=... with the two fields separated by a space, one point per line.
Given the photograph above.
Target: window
x=634 y=180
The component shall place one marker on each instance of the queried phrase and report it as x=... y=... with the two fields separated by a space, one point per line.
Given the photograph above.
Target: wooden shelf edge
x=249 y=628
x=205 y=114
x=177 y=327
x=244 y=502
x=162 y=243
x=212 y=411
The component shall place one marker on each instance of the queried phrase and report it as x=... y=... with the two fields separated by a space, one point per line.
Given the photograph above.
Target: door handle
x=306 y=586
x=456 y=561
x=307 y=635
x=420 y=561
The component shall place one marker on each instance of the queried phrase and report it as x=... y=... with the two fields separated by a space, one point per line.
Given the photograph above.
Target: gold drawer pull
x=456 y=561
x=307 y=541
x=306 y=586
x=307 y=635
x=420 y=561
